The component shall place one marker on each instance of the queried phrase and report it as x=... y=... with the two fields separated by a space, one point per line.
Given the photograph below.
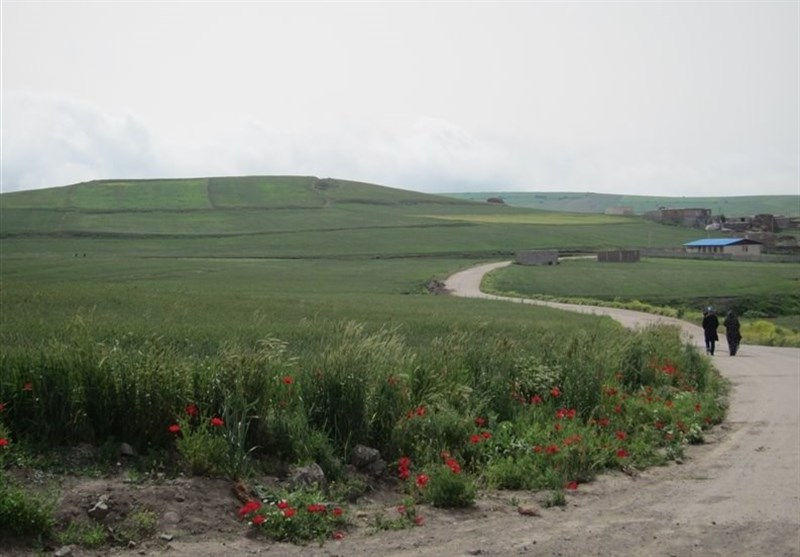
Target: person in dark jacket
x=710 y=324
x=732 y=332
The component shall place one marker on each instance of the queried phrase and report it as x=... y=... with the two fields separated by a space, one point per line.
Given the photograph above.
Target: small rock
x=529 y=511
x=171 y=517
x=180 y=498
x=99 y=511
x=309 y=476
x=166 y=537
x=126 y=450
x=131 y=544
x=65 y=551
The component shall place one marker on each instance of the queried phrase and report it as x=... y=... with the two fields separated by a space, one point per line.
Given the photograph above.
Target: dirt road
x=738 y=495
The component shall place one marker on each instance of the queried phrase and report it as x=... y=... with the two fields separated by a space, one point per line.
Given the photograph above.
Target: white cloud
x=51 y=141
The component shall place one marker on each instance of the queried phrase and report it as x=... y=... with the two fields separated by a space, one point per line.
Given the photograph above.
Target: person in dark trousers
x=732 y=332
x=710 y=324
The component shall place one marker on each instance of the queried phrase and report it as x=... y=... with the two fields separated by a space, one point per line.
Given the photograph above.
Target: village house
x=724 y=246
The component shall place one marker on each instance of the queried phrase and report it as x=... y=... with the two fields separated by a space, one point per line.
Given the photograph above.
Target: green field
x=675 y=282
x=292 y=315
x=734 y=206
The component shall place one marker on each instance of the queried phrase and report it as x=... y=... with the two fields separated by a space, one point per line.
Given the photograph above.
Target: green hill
x=786 y=205
x=295 y=217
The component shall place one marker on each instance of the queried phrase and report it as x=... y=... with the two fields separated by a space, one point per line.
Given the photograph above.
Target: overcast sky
x=650 y=98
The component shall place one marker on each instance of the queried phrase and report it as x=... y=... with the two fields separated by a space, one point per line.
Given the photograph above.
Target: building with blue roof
x=724 y=246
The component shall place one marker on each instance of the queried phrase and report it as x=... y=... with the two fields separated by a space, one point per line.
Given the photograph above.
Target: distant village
x=775 y=232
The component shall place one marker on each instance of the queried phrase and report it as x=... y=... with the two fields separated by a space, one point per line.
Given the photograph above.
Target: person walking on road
x=710 y=325
x=732 y=332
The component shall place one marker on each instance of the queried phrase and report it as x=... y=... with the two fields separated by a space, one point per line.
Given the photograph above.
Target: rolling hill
x=296 y=217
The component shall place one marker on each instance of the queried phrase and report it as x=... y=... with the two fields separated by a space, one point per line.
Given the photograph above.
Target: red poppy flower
x=537 y=448
x=480 y=422
x=174 y=428
x=618 y=409
x=474 y=438
x=621 y=435
x=536 y=399
x=668 y=404
x=258 y=519
x=486 y=435
x=403 y=473
x=283 y=505
x=422 y=479
x=401 y=509
x=697 y=408
x=249 y=507
x=4 y=442
x=217 y=421
x=191 y=409
x=603 y=422
x=419 y=521
x=573 y=485
x=454 y=466
x=337 y=511
x=290 y=512
x=622 y=453
x=338 y=535
x=316 y=508
x=555 y=392
x=551 y=449
x=288 y=379
x=421 y=411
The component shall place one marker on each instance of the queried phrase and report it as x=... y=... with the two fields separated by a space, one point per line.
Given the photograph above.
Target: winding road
x=737 y=496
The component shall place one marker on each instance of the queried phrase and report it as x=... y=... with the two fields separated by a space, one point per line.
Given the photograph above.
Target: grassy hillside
x=294 y=217
x=787 y=205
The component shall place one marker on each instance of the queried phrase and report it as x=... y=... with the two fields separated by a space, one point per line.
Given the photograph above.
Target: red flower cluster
x=249 y=507
x=601 y=422
x=419 y=411
x=453 y=465
x=572 y=440
x=669 y=368
x=317 y=508
x=566 y=413
x=476 y=438
x=422 y=480
x=404 y=467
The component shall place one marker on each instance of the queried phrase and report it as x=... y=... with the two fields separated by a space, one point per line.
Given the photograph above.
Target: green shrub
x=449 y=487
x=23 y=514
x=84 y=533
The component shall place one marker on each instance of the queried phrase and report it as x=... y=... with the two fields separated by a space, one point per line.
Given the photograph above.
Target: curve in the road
x=750 y=486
